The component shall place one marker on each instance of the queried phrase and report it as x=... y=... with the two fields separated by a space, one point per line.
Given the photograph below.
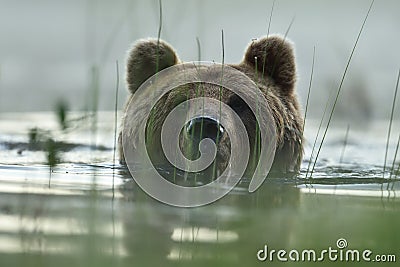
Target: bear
x=268 y=61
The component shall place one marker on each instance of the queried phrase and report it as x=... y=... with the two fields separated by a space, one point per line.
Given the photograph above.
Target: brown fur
x=143 y=61
x=268 y=61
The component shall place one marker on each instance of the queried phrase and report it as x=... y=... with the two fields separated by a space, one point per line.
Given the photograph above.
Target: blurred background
x=53 y=50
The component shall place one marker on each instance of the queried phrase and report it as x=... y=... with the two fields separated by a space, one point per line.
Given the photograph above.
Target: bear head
x=268 y=61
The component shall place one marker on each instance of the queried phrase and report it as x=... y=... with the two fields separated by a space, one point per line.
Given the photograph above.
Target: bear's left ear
x=275 y=59
x=146 y=58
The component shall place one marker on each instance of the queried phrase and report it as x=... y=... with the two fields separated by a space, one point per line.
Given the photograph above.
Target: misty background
x=50 y=50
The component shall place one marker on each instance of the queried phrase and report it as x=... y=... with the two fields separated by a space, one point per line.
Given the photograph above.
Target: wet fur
x=269 y=62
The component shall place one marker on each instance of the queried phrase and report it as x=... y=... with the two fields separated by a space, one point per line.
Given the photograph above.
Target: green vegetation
x=309 y=89
x=41 y=139
x=115 y=121
x=390 y=124
x=344 y=143
x=89 y=228
x=340 y=88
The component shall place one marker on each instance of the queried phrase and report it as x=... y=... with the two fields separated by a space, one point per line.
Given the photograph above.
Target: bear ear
x=146 y=58
x=275 y=59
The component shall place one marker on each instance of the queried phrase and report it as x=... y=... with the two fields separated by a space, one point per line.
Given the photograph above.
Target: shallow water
x=87 y=211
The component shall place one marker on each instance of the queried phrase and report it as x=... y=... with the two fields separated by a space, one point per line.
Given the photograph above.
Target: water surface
x=87 y=211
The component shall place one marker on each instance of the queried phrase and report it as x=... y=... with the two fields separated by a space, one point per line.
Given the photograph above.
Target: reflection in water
x=203 y=235
x=130 y=226
x=81 y=220
x=197 y=235
x=52 y=235
x=227 y=231
x=389 y=194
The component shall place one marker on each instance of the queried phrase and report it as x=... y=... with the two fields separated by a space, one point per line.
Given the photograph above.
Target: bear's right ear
x=146 y=58
x=274 y=58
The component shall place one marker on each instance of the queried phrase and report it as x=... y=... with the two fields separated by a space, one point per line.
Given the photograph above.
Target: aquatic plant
x=61 y=112
x=390 y=124
x=115 y=121
x=344 y=143
x=340 y=87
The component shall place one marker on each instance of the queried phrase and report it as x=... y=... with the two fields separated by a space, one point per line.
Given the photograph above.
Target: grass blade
x=344 y=143
x=159 y=36
x=220 y=96
x=393 y=164
x=390 y=123
x=268 y=31
x=115 y=123
x=270 y=18
x=341 y=85
x=317 y=135
x=198 y=49
x=395 y=157
x=309 y=89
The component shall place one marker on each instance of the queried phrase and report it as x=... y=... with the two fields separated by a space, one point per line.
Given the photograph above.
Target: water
x=88 y=212
x=97 y=33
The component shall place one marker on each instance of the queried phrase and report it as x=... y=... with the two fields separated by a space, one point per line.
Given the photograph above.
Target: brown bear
x=268 y=61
